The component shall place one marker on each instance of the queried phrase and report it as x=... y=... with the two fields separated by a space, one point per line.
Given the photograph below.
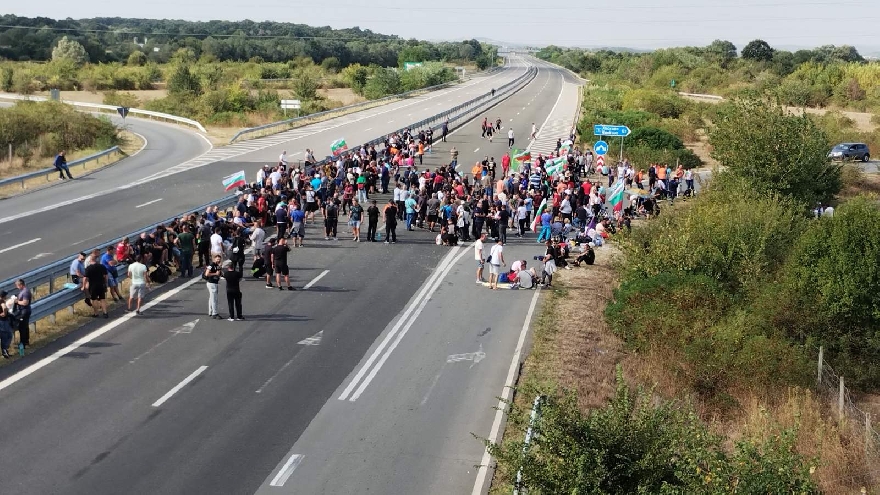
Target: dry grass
x=862 y=119
x=130 y=143
x=856 y=182
x=573 y=347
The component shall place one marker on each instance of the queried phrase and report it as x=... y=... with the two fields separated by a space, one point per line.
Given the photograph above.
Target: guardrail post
x=51 y=285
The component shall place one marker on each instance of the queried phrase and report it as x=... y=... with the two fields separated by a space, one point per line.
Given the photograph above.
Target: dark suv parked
x=850 y=151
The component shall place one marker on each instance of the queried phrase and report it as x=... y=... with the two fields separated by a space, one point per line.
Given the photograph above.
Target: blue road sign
x=611 y=130
x=601 y=148
x=122 y=111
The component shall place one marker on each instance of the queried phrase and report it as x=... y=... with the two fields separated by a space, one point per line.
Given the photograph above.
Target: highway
x=102 y=207
x=372 y=380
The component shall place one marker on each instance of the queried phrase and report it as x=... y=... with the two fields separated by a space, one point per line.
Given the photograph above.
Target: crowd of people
x=565 y=206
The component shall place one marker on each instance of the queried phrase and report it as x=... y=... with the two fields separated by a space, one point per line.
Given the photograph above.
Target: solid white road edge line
x=143 y=146
x=179 y=386
x=286 y=470
x=549 y=115
x=315 y=280
x=10 y=248
x=405 y=316
x=92 y=336
x=149 y=203
x=501 y=408
x=424 y=302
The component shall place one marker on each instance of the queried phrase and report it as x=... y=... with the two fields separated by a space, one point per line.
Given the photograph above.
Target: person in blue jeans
x=546 y=222
x=410 y=205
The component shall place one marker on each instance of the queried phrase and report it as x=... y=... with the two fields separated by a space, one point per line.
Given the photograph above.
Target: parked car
x=850 y=151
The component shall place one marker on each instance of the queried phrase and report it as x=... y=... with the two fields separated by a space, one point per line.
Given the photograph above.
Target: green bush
x=56 y=125
x=637 y=444
x=655 y=139
x=662 y=103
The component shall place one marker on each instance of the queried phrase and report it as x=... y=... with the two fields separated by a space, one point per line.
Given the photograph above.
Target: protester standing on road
x=496 y=260
x=140 y=280
x=6 y=331
x=233 y=290
x=212 y=278
x=479 y=257
x=445 y=130
x=355 y=216
x=372 y=221
x=279 y=263
x=61 y=165
x=267 y=261
x=510 y=138
x=96 y=280
x=22 y=311
x=186 y=243
x=391 y=222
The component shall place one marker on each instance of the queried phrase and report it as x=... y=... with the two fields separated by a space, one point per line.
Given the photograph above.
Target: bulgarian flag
x=522 y=156
x=338 y=146
x=538 y=212
x=554 y=166
x=615 y=196
x=564 y=149
x=234 y=181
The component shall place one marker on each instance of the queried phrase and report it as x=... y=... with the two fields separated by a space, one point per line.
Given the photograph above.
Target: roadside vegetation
x=225 y=73
x=687 y=363
x=36 y=132
x=837 y=86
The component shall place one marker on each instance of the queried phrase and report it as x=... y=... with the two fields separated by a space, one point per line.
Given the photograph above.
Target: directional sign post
x=292 y=104
x=122 y=111
x=621 y=131
x=600 y=162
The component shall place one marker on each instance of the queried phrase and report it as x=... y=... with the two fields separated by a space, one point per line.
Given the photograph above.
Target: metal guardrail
x=96 y=106
x=58 y=298
x=698 y=95
x=52 y=170
x=349 y=108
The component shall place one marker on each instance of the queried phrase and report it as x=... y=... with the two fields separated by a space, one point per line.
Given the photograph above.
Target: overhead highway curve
x=104 y=212
x=243 y=393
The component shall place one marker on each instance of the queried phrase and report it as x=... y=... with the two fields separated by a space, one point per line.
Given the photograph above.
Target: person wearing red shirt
x=505 y=164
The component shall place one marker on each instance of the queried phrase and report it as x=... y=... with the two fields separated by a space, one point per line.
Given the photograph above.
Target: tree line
x=114 y=39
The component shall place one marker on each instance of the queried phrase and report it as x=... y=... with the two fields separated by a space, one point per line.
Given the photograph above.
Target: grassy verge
x=130 y=143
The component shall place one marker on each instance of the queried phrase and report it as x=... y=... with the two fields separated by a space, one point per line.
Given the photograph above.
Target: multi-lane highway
x=115 y=202
x=372 y=380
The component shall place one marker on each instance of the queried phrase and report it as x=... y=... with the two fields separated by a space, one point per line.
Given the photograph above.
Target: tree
x=137 y=58
x=70 y=50
x=305 y=84
x=758 y=50
x=6 y=79
x=655 y=139
x=774 y=151
x=724 y=50
x=184 y=82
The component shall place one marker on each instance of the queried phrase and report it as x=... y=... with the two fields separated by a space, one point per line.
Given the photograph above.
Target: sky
x=642 y=24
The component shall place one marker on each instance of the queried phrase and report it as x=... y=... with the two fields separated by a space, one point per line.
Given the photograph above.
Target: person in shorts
x=140 y=279
x=297 y=225
x=279 y=263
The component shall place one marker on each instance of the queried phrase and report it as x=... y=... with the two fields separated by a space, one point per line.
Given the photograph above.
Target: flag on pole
x=616 y=195
x=564 y=150
x=522 y=156
x=234 y=181
x=338 y=146
x=538 y=212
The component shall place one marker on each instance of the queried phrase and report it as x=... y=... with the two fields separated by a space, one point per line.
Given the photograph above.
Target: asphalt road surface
x=87 y=212
x=372 y=380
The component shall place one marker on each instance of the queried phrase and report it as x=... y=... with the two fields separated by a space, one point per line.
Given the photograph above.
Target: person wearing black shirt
x=212 y=278
x=502 y=223
x=372 y=220
x=390 y=222
x=279 y=263
x=96 y=276
x=331 y=220
x=238 y=247
x=233 y=290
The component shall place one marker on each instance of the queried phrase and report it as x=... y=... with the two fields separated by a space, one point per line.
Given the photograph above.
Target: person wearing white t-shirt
x=479 y=257
x=282 y=160
x=216 y=243
x=496 y=261
x=137 y=273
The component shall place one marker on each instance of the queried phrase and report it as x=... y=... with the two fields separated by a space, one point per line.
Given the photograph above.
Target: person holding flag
x=338 y=146
x=235 y=181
